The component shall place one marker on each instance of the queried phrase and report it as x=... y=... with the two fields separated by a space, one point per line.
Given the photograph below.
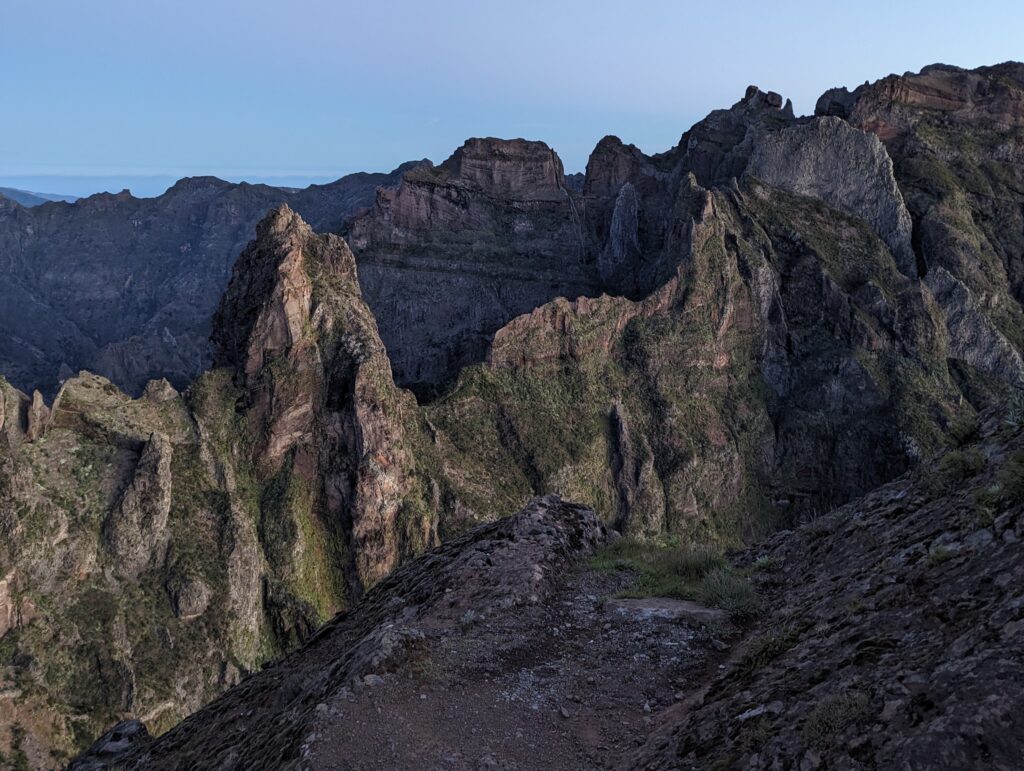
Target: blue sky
x=113 y=90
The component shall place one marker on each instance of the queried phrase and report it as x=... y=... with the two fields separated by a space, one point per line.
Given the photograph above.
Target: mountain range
x=213 y=445
x=27 y=199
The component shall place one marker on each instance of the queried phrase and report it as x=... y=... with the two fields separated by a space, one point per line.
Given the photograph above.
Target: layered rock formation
x=457 y=250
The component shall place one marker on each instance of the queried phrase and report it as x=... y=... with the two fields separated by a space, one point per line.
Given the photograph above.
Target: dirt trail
x=571 y=683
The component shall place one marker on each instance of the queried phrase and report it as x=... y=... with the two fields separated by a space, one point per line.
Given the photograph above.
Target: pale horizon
x=114 y=95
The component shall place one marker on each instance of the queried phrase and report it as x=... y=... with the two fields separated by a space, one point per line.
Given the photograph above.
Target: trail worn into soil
x=571 y=683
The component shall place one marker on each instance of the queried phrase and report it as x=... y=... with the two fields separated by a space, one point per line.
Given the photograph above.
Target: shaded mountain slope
x=894 y=635
x=125 y=286
x=156 y=548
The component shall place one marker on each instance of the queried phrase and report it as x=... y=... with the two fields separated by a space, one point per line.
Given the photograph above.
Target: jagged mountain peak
x=755 y=98
x=268 y=306
x=764 y=323
x=984 y=95
x=197 y=183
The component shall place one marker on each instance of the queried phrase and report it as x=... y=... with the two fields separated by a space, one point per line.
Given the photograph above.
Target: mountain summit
x=781 y=361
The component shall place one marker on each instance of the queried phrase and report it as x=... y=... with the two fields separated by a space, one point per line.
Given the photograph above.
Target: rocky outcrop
x=973 y=338
x=126 y=286
x=641 y=504
x=954 y=136
x=517 y=169
x=135 y=532
x=890 y=636
x=718 y=148
x=14 y=407
x=847 y=169
x=493 y=229
x=190 y=596
x=317 y=394
x=891 y=105
x=622 y=250
x=38 y=417
x=480 y=575
x=16 y=609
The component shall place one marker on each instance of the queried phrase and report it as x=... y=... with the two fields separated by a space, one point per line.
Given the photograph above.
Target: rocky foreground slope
x=894 y=635
x=473 y=579
x=889 y=638
x=788 y=313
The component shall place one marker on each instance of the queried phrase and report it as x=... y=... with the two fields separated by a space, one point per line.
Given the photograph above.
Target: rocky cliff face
x=763 y=323
x=957 y=140
x=818 y=355
x=892 y=635
x=156 y=548
x=493 y=231
x=126 y=286
x=317 y=394
x=770 y=377
x=847 y=169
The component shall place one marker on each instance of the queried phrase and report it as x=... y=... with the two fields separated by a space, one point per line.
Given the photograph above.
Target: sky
x=106 y=94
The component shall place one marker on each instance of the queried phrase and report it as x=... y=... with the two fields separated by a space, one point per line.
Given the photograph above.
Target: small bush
x=938 y=556
x=819 y=525
x=693 y=564
x=833 y=715
x=964 y=429
x=765 y=564
x=1011 y=478
x=766 y=647
x=958 y=465
x=725 y=590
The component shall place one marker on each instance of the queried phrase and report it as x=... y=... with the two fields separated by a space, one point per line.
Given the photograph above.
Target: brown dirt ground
x=567 y=684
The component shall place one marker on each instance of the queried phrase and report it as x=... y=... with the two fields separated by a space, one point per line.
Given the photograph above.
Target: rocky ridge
x=125 y=286
x=156 y=548
x=758 y=350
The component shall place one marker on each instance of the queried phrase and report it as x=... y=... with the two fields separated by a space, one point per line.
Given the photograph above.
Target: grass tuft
x=724 y=589
x=833 y=715
x=663 y=570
